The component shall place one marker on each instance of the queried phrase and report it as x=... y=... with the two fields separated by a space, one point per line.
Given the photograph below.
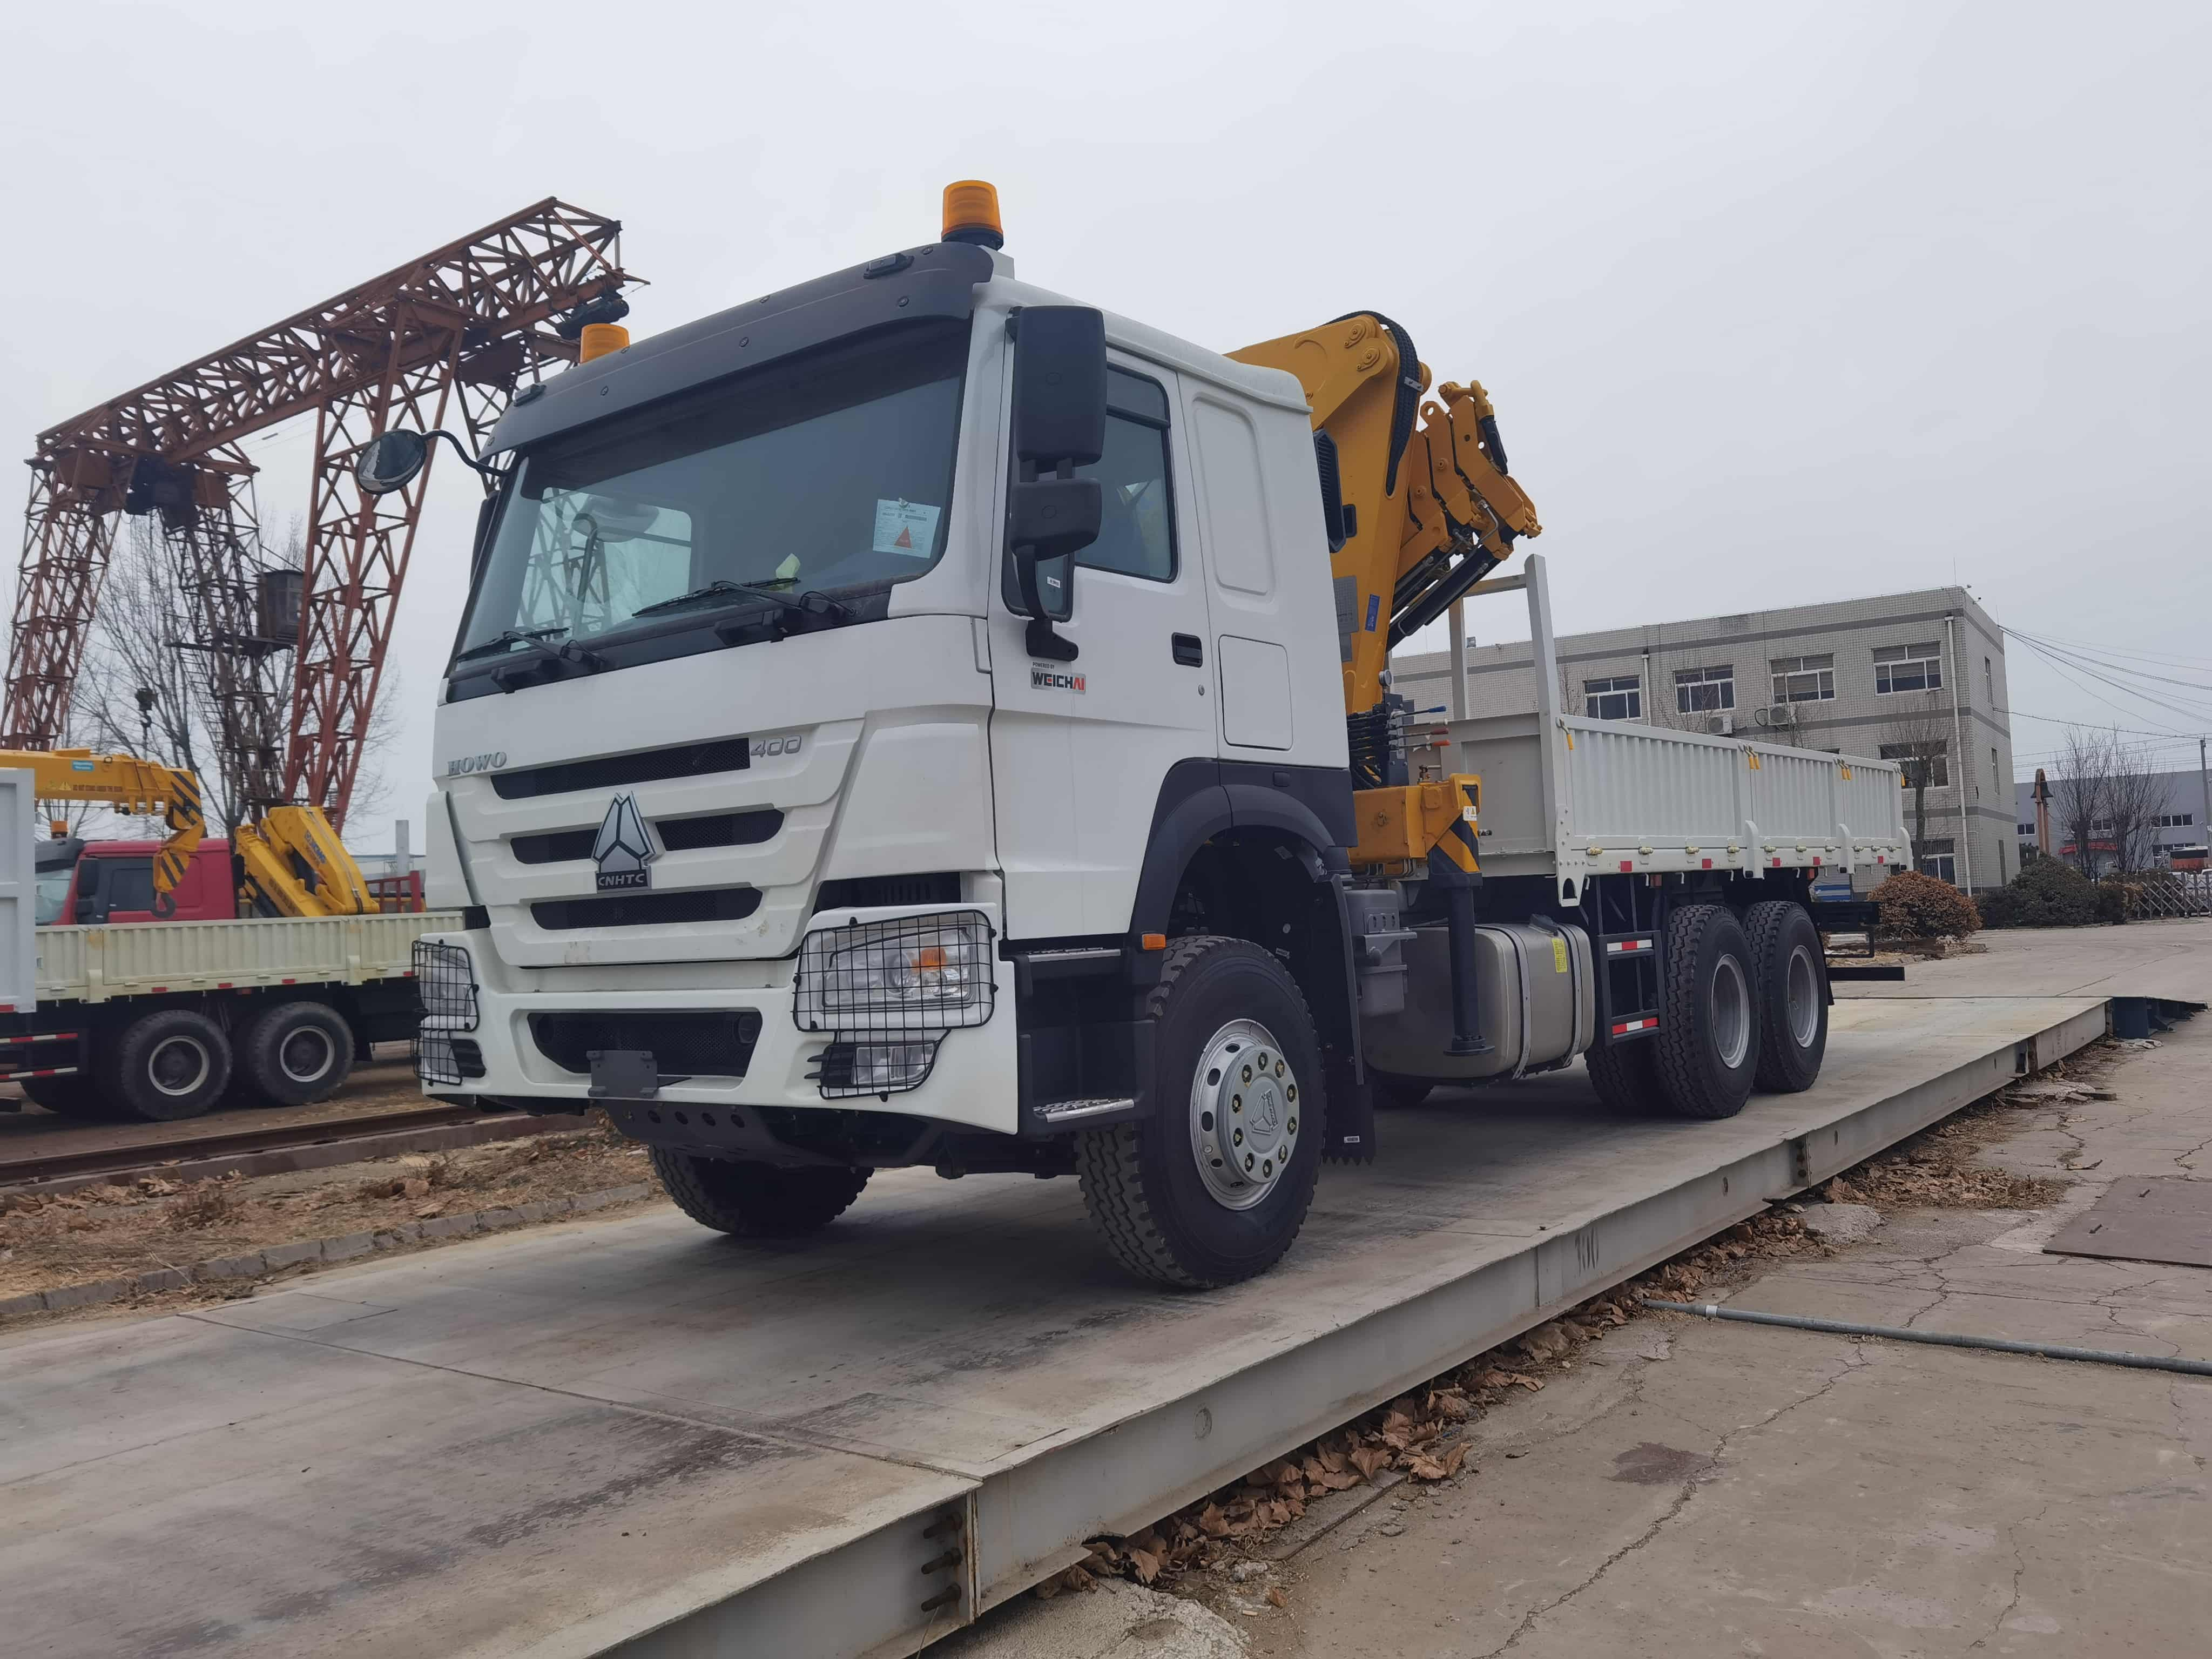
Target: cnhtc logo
x=624 y=850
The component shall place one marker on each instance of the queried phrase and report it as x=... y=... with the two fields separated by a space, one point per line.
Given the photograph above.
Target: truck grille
x=682 y=1045
x=676 y=834
x=612 y=771
x=646 y=909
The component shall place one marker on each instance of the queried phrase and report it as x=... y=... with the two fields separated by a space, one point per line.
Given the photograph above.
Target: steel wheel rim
x=306 y=1042
x=1802 y=998
x=1728 y=1003
x=179 y=1066
x=1245 y=1101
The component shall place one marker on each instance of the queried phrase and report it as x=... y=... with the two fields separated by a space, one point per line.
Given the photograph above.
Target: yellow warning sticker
x=1558 y=955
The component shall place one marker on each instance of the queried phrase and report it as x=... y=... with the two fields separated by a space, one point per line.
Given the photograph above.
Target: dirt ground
x=111 y=1231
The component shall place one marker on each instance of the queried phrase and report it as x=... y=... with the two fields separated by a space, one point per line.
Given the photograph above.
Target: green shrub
x=1914 y=906
x=2051 y=893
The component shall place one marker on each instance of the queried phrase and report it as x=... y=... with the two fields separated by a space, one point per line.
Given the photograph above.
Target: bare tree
x=2081 y=795
x=2134 y=796
x=1917 y=737
x=136 y=694
x=144 y=691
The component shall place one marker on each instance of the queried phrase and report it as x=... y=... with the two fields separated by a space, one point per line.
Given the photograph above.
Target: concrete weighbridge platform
x=636 y=1435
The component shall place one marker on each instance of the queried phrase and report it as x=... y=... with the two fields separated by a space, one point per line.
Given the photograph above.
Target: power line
x=2083 y=658
x=2061 y=663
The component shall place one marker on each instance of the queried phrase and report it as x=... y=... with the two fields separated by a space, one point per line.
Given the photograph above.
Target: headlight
x=916 y=974
x=446 y=980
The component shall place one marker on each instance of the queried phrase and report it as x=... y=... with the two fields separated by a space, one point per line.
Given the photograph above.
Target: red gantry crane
x=468 y=323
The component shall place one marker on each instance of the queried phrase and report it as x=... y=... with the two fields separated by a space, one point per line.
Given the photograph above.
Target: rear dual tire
x=1747 y=1007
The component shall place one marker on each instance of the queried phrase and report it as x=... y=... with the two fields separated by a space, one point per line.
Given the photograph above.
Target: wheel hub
x=1244 y=1114
x=178 y=1067
x=306 y=1056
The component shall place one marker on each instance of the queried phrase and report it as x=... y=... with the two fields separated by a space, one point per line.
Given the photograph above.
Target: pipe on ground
x=2143 y=1362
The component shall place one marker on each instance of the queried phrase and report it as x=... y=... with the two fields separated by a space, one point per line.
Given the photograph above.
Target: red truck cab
x=113 y=881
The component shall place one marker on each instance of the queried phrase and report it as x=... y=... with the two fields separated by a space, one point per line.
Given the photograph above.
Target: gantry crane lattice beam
x=476 y=317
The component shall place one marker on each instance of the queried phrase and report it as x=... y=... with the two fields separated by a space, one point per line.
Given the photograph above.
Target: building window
x=1926 y=766
x=2176 y=820
x=1704 y=690
x=1617 y=699
x=1908 y=668
x=1989 y=681
x=2029 y=830
x=1938 y=858
x=1804 y=679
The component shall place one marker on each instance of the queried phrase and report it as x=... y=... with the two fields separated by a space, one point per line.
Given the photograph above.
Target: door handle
x=1189 y=651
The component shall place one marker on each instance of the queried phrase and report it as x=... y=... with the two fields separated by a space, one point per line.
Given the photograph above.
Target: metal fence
x=2154 y=894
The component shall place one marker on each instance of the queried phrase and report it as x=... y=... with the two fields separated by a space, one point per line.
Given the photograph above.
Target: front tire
x=757 y=1200
x=166 y=1065
x=1212 y=1188
x=1789 y=974
x=1708 y=1041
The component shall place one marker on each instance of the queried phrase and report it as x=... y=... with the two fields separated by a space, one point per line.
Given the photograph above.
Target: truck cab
x=111 y=882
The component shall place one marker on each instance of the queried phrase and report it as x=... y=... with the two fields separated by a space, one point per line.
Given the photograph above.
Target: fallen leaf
x=1146 y=1564
x=1368 y=1459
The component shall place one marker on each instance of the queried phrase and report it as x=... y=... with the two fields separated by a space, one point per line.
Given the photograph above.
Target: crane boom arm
x=140 y=788
x=1430 y=510
x=1433 y=507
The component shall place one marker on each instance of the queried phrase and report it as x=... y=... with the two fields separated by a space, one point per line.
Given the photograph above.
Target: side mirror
x=1049 y=522
x=1059 y=424
x=390 y=461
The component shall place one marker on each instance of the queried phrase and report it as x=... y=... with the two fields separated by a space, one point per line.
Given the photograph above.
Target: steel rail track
x=151 y=1154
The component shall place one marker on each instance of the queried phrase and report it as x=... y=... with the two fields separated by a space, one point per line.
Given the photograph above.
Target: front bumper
x=974 y=1082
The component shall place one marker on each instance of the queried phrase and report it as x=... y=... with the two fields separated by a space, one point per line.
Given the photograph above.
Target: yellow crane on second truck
x=289 y=862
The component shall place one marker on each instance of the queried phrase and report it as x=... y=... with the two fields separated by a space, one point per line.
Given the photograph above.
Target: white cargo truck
x=167 y=1019
x=913 y=718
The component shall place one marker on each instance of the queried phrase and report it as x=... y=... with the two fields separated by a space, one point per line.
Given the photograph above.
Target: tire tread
x=1109 y=1161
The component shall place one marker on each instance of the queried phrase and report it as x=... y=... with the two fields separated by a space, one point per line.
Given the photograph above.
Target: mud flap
x=1350 y=1132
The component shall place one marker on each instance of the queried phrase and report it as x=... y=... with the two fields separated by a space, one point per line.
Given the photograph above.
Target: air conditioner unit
x=1721 y=725
x=1778 y=713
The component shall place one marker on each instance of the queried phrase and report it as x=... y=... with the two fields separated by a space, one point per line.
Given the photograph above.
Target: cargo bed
x=1569 y=799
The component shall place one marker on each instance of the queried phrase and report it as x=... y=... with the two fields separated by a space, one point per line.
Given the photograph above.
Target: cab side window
x=1137 y=531
x=1136 y=534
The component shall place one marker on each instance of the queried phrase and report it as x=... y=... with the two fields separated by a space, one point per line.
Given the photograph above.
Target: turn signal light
x=971 y=214
x=599 y=339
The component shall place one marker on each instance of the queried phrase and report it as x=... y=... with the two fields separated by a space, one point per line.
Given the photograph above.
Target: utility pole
x=1457 y=702
x=2204 y=782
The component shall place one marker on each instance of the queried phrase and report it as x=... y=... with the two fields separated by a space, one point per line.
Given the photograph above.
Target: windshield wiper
x=511 y=636
x=811 y=603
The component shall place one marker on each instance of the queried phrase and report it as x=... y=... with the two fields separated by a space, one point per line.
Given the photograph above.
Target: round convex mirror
x=390 y=462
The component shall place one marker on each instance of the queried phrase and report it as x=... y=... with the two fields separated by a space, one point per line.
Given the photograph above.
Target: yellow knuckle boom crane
x=291 y=861
x=1422 y=507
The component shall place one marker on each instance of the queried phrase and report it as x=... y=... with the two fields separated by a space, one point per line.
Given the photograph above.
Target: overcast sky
x=1778 y=302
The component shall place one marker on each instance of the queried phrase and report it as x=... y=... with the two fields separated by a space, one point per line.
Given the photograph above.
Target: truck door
x=1080 y=748
x=1259 y=706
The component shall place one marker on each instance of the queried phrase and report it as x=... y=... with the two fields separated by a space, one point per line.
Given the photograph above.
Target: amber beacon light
x=599 y=339
x=971 y=214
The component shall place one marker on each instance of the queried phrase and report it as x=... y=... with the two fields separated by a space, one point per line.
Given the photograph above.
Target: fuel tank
x=1534 y=991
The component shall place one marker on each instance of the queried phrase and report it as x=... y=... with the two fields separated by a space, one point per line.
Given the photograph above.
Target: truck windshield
x=52 y=894
x=830 y=474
